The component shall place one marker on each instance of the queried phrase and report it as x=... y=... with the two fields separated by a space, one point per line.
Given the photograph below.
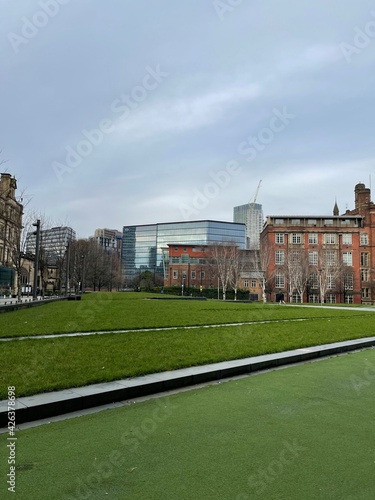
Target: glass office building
x=250 y=214
x=142 y=246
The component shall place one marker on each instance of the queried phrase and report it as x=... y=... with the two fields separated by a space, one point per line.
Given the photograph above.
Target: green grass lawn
x=115 y=311
x=304 y=432
x=35 y=366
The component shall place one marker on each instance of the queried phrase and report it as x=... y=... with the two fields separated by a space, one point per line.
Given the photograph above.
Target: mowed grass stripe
x=119 y=311
x=299 y=433
x=59 y=363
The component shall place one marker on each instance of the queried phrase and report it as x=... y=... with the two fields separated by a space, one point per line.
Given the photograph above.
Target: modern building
x=10 y=231
x=251 y=215
x=53 y=242
x=328 y=258
x=110 y=240
x=142 y=246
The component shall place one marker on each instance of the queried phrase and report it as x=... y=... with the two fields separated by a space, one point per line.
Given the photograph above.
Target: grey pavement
x=76 y=401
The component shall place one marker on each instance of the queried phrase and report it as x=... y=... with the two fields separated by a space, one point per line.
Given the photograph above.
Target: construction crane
x=252 y=203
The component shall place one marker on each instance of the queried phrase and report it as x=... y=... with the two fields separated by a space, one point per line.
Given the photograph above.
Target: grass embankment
x=299 y=433
x=35 y=366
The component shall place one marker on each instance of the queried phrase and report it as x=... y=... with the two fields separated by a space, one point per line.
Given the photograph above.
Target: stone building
x=10 y=232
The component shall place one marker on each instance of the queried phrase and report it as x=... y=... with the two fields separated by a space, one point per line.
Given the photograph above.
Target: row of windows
x=313 y=222
x=194 y=274
x=185 y=259
x=253 y=282
x=330 y=258
x=329 y=238
x=314 y=281
x=314 y=298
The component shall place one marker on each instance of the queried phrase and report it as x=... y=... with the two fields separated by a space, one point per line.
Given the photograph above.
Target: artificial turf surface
x=303 y=432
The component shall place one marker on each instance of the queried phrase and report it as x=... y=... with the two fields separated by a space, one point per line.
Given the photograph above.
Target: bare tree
x=329 y=269
x=260 y=262
x=222 y=255
x=297 y=271
x=236 y=267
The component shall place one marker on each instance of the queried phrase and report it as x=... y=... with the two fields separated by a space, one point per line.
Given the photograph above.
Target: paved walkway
x=76 y=401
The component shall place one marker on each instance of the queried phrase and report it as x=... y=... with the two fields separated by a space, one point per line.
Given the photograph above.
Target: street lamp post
x=320 y=286
x=36 y=259
x=83 y=274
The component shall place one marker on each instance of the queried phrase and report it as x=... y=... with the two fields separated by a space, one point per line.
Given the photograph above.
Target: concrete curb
x=52 y=404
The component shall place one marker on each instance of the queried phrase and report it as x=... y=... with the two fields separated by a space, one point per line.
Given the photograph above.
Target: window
x=313 y=280
x=296 y=238
x=313 y=239
x=328 y=222
x=311 y=222
x=347 y=258
x=313 y=258
x=175 y=260
x=253 y=283
x=364 y=239
x=349 y=299
x=184 y=258
x=329 y=239
x=279 y=238
x=331 y=298
x=175 y=275
x=279 y=257
x=365 y=274
x=279 y=221
x=202 y=274
x=296 y=298
x=279 y=281
x=331 y=258
x=348 y=282
x=193 y=275
x=314 y=298
x=331 y=282
x=295 y=222
x=365 y=259
x=345 y=222
x=246 y=283
x=365 y=293
x=346 y=239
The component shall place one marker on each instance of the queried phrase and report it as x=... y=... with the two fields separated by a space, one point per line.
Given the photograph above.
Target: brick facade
x=334 y=253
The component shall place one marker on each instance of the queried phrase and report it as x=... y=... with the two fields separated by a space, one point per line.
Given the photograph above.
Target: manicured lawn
x=114 y=311
x=304 y=432
x=35 y=366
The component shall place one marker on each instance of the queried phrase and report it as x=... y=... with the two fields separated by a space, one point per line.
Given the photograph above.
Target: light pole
x=182 y=285
x=36 y=259
x=83 y=274
x=320 y=285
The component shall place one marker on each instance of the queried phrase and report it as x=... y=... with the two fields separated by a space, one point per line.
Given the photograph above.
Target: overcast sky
x=117 y=112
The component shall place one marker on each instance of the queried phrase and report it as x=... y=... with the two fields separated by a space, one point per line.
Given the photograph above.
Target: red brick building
x=323 y=258
x=193 y=266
